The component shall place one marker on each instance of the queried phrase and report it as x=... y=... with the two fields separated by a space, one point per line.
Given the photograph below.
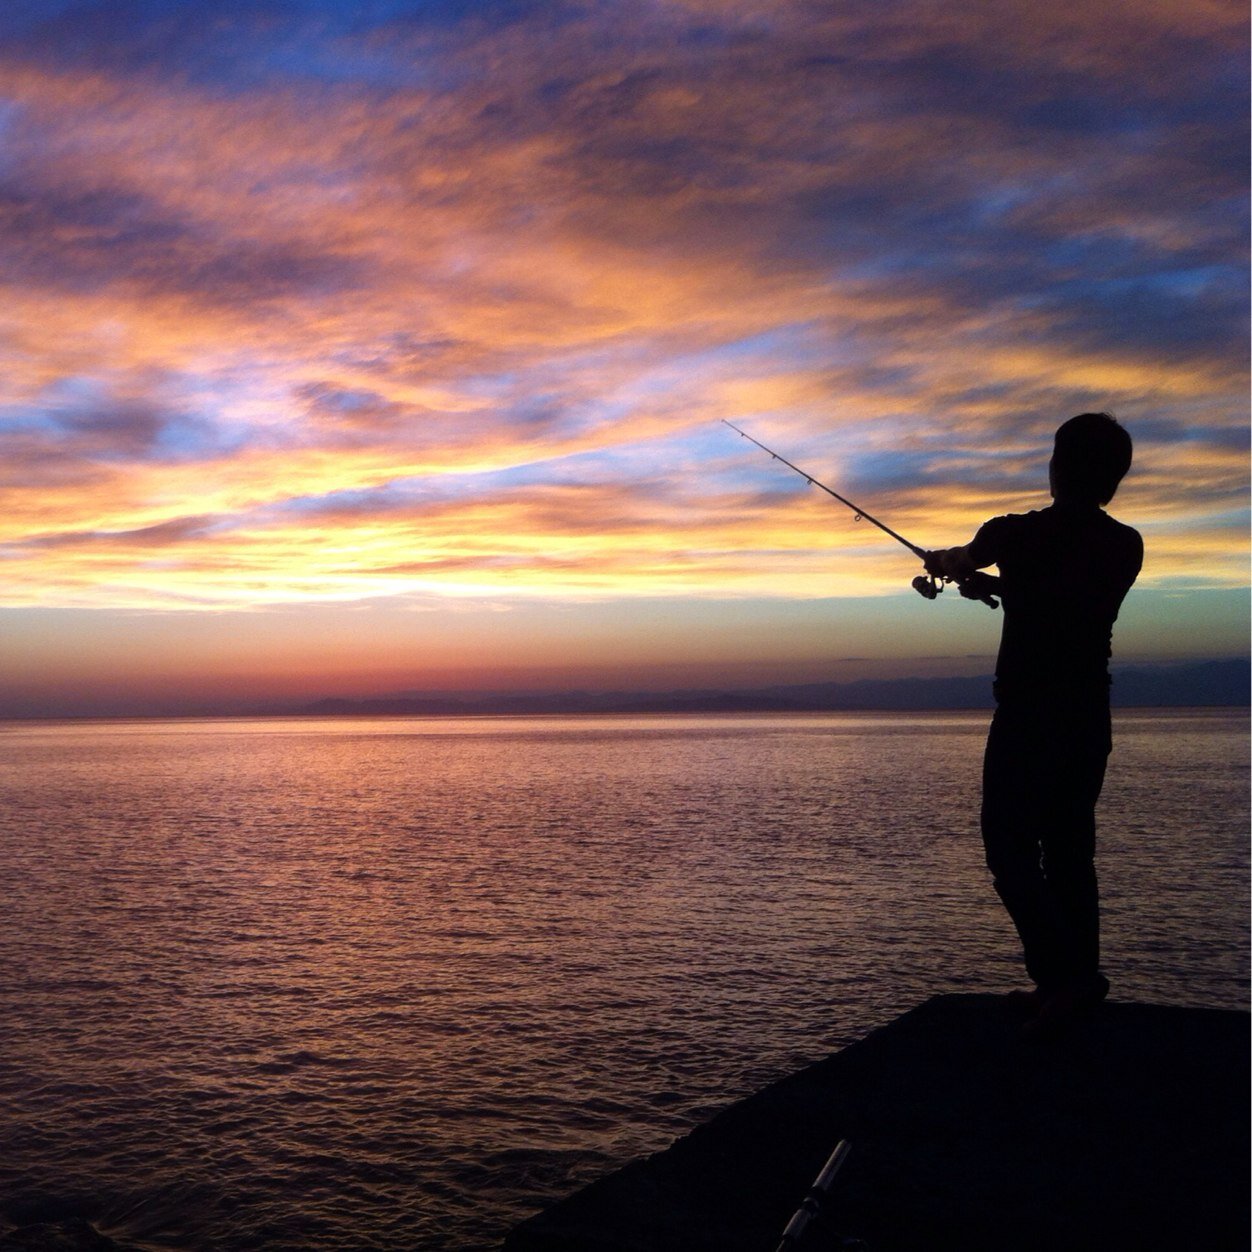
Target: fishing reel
x=931 y=585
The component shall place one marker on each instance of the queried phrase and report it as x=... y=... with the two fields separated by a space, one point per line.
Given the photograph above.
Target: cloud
x=476 y=283
x=161 y=535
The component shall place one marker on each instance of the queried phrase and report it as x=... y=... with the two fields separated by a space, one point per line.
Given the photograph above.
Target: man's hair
x=1091 y=457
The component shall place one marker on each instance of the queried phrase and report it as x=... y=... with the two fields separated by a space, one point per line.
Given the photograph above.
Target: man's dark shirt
x=1064 y=572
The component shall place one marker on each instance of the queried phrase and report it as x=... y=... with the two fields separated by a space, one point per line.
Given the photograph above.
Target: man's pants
x=1042 y=775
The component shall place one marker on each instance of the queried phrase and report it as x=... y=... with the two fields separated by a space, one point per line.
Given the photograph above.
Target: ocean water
x=395 y=984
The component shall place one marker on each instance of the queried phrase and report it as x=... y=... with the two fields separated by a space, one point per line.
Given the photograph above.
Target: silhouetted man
x=1064 y=572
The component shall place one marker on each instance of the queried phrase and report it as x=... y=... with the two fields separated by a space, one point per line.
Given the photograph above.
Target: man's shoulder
x=1008 y=524
x=1011 y=521
x=1000 y=538
x=1127 y=533
x=1124 y=541
x=1128 y=543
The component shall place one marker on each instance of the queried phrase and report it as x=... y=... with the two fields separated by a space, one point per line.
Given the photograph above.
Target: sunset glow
x=352 y=347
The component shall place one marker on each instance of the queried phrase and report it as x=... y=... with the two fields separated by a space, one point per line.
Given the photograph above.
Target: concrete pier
x=1129 y=1131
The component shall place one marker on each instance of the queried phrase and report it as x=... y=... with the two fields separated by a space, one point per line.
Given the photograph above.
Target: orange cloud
x=312 y=341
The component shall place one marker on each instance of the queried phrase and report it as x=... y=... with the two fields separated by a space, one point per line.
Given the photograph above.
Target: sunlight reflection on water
x=396 y=983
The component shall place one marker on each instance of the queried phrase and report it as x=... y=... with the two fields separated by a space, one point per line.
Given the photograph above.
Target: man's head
x=1091 y=456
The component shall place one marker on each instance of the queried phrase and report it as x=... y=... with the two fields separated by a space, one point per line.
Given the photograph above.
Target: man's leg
x=1014 y=805
x=1069 y=866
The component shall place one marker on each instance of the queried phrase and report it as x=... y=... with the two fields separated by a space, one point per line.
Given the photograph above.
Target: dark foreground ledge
x=1130 y=1132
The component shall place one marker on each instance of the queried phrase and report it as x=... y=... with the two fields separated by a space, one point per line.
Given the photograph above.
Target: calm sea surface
x=395 y=984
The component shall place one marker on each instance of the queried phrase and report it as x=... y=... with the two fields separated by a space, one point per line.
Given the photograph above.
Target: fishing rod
x=928 y=585
x=811 y=1207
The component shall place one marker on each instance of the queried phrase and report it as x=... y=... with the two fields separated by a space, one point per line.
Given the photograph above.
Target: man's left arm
x=963 y=565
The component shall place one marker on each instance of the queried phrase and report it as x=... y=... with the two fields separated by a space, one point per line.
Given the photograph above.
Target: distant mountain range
x=1199 y=684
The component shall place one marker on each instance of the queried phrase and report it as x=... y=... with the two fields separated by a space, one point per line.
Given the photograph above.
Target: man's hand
x=953 y=563
x=979 y=586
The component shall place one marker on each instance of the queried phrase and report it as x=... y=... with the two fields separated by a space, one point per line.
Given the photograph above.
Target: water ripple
x=386 y=985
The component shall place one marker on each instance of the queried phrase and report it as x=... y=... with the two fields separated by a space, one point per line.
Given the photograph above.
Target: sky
x=355 y=348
